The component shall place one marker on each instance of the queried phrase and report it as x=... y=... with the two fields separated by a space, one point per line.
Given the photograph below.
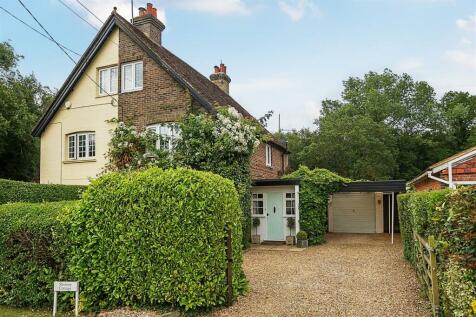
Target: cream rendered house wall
x=88 y=112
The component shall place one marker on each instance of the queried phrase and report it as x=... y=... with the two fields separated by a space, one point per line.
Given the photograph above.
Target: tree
x=22 y=100
x=394 y=114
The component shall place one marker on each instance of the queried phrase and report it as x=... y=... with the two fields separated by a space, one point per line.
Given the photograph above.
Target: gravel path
x=350 y=275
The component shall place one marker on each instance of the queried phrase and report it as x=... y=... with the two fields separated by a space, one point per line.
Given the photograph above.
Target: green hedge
x=14 y=191
x=449 y=216
x=415 y=214
x=30 y=253
x=156 y=237
x=315 y=187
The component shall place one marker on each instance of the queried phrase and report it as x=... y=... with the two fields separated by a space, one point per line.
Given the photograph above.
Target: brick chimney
x=220 y=78
x=148 y=23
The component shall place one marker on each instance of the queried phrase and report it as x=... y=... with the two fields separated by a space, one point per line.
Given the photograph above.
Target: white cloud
x=468 y=24
x=220 y=7
x=296 y=9
x=466 y=41
x=408 y=65
x=103 y=8
x=465 y=58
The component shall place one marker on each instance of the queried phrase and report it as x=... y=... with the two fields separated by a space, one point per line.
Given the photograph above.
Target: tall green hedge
x=31 y=254
x=415 y=212
x=14 y=191
x=315 y=187
x=449 y=216
x=156 y=237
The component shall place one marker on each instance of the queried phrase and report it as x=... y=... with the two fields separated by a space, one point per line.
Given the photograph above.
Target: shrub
x=416 y=211
x=31 y=257
x=14 y=191
x=301 y=235
x=449 y=218
x=315 y=188
x=156 y=237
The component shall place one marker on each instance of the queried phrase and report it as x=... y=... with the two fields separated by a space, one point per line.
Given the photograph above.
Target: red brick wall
x=259 y=170
x=162 y=99
x=463 y=172
x=429 y=184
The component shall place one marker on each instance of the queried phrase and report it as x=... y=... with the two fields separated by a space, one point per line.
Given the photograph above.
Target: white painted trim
x=269 y=155
x=296 y=197
x=133 y=78
x=110 y=92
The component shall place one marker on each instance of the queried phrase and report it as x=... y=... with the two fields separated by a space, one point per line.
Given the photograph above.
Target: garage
x=353 y=212
x=365 y=207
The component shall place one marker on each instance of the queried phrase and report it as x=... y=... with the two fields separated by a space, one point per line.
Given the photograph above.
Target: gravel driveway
x=350 y=275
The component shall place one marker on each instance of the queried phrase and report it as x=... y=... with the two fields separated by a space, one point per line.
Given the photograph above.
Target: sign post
x=66 y=287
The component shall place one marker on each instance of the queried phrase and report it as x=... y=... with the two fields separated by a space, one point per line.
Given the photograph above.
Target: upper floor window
x=290 y=204
x=268 y=155
x=132 y=76
x=81 y=145
x=258 y=204
x=107 y=81
x=168 y=134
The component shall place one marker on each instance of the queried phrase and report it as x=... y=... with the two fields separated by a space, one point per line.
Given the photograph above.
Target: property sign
x=66 y=286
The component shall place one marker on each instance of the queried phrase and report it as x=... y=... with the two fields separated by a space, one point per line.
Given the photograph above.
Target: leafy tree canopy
x=22 y=100
x=385 y=126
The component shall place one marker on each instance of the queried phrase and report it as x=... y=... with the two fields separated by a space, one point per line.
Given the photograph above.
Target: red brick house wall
x=163 y=99
x=279 y=163
x=465 y=171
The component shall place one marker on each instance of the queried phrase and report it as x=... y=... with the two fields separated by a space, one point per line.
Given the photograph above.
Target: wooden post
x=435 y=293
x=229 y=267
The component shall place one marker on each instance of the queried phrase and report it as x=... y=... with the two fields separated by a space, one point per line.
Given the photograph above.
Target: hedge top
x=15 y=191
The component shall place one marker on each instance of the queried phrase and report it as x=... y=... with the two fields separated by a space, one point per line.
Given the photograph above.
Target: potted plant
x=256 y=238
x=291 y=225
x=302 y=241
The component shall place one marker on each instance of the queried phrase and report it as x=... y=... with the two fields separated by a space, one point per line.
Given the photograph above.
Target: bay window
x=81 y=145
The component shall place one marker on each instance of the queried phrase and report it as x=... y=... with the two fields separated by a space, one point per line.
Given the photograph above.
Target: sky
x=283 y=55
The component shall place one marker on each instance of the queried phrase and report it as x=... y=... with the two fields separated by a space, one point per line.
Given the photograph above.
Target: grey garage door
x=353 y=212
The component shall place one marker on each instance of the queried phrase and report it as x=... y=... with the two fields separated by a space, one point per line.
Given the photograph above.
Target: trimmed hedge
x=15 y=191
x=30 y=253
x=315 y=188
x=415 y=211
x=449 y=217
x=156 y=237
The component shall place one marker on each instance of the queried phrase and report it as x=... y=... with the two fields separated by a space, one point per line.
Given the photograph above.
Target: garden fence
x=426 y=270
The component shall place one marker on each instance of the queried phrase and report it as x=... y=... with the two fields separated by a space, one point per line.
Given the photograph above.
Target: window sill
x=258 y=216
x=132 y=90
x=79 y=161
x=107 y=95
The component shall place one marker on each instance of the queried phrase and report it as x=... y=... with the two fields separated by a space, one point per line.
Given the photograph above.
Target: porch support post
x=393 y=213
x=296 y=201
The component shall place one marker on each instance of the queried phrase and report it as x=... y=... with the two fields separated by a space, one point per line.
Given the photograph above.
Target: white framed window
x=108 y=81
x=257 y=204
x=81 y=145
x=132 y=76
x=269 y=155
x=290 y=200
x=168 y=134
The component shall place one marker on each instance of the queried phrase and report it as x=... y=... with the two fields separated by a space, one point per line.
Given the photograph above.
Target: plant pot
x=290 y=240
x=302 y=243
x=256 y=239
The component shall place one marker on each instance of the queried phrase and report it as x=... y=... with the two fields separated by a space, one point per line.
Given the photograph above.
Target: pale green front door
x=275 y=217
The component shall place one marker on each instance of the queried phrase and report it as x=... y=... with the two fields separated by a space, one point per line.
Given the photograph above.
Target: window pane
x=113 y=80
x=103 y=81
x=127 y=76
x=82 y=145
x=92 y=145
x=72 y=146
x=138 y=75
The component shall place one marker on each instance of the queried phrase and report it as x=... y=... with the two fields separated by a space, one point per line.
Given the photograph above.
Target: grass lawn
x=6 y=311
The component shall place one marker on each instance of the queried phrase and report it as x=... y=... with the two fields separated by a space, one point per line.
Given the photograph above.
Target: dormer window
x=107 y=81
x=269 y=155
x=132 y=76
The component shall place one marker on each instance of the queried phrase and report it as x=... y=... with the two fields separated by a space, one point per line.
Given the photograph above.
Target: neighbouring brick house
x=127 y=75
x=459 y=169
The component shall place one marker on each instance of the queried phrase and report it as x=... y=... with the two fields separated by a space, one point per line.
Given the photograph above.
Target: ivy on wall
x=315 y=187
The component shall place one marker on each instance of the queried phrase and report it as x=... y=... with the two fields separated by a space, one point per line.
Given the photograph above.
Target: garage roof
x=395 y=186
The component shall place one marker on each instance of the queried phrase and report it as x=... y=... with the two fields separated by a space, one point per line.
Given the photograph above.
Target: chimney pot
x=220 y=78
x=148 y=23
